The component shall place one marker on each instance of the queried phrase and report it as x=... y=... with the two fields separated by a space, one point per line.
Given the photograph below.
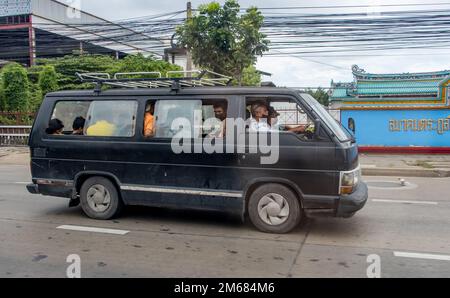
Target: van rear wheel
x=99 y=198
x=274 y=208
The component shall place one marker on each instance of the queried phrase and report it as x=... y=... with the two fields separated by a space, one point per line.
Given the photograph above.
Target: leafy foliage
x=22 y=90
x=321 y=95
x=250 y=77
x=15 y=88
x=48 y=80
x=66 y=67
x=138 y=63
x=223 y=40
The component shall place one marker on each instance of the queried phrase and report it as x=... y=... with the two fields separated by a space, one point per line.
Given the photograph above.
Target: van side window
x=206 y=118
x=111 y=118
x=149 y=119
x=278 y=114
x=214 y=115
x=68 y=118
x=178 y=118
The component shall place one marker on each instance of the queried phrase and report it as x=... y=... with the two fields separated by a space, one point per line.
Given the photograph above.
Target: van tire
x=100 y=188
x=265 y=200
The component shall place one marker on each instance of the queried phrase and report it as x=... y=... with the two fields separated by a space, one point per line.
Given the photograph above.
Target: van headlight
x=349 y=180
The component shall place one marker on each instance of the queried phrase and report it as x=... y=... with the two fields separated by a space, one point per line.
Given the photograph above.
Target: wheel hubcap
x=273 y=209
x=98 y=198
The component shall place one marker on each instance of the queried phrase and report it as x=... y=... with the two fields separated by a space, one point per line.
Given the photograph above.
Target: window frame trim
x=46 y=137
x=304 y=107
x=144 y=139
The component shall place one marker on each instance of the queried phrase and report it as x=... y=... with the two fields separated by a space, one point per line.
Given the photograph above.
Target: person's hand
x=299 y=129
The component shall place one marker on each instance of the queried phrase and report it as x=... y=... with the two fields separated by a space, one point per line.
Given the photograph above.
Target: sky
x=297 y=71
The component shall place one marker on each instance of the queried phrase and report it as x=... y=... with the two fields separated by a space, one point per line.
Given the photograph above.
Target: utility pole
x=188 y=54
x=32 y=45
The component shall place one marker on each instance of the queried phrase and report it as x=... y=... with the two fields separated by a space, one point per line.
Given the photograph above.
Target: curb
x=405 y=172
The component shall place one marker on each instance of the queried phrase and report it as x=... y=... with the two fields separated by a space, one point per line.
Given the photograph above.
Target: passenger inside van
x=55 y=127
x=220 y=112
x=260 y=118
x=102 y=128
x=149 y=120
x=78 y=126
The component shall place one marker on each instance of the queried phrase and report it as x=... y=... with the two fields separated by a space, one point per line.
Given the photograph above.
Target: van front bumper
x=349 y=204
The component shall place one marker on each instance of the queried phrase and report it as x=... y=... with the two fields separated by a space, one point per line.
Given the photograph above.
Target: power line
x=352 y=6
x=294 y=35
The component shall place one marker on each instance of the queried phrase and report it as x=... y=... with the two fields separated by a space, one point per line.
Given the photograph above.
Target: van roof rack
x=174 y=79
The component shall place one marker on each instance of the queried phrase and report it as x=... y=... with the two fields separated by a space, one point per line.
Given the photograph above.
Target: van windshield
x=332 y=123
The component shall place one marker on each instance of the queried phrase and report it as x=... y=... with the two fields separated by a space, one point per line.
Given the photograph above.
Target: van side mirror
x=317 y=128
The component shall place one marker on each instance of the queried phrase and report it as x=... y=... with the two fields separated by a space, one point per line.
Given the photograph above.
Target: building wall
x=49 y=45
x=425 y=128
x=14 y=7
x=59 y=12
x=18 y=50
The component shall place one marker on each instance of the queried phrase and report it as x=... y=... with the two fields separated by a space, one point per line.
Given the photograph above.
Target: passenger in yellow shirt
x=101 y=128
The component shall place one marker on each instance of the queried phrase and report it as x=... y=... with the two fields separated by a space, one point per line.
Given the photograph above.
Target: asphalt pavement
x=405 y=228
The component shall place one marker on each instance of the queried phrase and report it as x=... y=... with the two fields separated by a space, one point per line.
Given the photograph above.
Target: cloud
x=294 y=72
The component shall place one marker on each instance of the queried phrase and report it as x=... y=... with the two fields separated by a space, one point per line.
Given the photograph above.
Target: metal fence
x=14 y=135
x=295 y=117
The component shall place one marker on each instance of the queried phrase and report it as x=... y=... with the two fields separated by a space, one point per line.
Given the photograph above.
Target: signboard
x=400 y=127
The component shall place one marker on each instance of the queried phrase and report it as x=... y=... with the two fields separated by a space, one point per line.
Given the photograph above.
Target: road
x=165 y=243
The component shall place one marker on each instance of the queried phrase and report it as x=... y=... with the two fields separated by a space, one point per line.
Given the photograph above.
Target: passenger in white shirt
x=266 y=119
x=260 y=120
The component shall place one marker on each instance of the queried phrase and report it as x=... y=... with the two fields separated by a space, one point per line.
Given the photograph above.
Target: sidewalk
x=372 y=164
x=405 y=165
x=14 y=156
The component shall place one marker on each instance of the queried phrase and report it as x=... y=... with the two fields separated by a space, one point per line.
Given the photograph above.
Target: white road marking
x=368 y=166
x=22 y=182
x=93 y=230
x=421 y=256
x=405 y=202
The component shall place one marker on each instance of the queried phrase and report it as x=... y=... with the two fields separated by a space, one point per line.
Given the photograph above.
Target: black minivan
x=274 y=154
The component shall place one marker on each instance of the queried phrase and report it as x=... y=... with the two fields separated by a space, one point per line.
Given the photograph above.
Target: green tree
x=321 y=95
x=3 y=102
x=48 y=80
x=67 y=66
x=139 y=63
x=223 y=40
x=36 y=97
x=15 y=85
x=250 y=77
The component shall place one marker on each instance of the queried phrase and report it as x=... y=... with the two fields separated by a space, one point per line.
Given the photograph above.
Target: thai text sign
x=417 y=125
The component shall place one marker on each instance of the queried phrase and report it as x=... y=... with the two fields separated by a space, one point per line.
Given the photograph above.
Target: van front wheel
x=274 y=208
x=100 y=199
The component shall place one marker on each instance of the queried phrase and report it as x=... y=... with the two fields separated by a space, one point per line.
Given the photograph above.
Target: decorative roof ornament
x=356 y=69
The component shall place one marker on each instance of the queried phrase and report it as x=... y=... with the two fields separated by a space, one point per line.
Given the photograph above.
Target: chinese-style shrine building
x=403 y=113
